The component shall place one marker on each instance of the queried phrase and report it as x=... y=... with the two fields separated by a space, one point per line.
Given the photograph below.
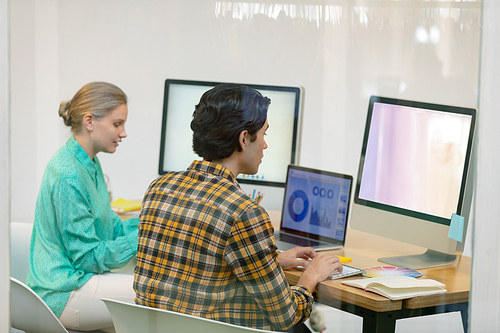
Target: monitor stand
x=428 y=259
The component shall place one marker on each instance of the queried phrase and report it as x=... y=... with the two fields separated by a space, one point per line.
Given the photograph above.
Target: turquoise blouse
x=75 y=233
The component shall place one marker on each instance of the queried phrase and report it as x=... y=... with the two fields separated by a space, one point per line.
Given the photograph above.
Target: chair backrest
x=29 y=313
x=20 y=237
x=128 y=318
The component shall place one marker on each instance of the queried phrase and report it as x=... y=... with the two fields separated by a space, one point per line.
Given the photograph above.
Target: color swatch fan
x=390 y=270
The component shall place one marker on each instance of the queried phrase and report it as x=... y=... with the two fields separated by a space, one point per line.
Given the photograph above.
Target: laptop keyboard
x=346 y=271
x=297 y=240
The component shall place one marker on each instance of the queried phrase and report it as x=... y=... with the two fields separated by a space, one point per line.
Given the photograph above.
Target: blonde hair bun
x=96 y=98
x=64 y=112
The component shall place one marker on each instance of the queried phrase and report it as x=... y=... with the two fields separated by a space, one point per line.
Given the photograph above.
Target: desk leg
x=379 y=322
x=374 y=322
x=465 y=318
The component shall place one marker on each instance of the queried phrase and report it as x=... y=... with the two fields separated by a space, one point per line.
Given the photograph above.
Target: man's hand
x=298 y=256
x=318 y=269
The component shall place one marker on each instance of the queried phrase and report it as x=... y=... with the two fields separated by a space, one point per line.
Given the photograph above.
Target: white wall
x=4 y=166
x=35 y=67
x=341 y=52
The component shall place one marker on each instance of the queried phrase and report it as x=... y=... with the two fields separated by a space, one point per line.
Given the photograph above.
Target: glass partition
x=340 y=52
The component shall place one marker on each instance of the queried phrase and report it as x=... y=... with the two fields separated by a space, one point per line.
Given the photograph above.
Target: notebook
x=315 y=209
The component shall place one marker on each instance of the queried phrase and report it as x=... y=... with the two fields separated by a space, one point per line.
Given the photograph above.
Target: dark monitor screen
x=176 y=151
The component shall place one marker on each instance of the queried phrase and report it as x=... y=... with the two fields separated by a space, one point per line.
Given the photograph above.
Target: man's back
x=206 y=249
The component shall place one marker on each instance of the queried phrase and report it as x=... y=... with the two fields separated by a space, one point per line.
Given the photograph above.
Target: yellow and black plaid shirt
x=207 y=249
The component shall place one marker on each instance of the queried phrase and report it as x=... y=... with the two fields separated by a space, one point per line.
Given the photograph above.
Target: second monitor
x=176 y=151
x=414 y=176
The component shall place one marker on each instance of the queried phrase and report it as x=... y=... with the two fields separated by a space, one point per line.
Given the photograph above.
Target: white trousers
x=86 y=312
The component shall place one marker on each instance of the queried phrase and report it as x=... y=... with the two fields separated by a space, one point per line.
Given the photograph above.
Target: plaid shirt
x=207 y=249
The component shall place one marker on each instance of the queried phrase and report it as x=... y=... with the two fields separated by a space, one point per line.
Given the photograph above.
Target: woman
x=77 y=239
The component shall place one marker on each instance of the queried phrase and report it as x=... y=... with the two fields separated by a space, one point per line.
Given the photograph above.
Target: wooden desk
x=379 y=313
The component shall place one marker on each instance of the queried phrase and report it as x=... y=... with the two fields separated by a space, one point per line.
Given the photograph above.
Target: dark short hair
x=222 y=114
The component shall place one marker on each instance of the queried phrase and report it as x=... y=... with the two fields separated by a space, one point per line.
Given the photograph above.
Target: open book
x=398 y=287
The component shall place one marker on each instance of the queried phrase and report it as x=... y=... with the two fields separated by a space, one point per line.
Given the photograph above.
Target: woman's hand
x=298 y=256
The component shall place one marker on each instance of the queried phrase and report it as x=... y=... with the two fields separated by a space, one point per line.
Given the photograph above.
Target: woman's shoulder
x=62 y=165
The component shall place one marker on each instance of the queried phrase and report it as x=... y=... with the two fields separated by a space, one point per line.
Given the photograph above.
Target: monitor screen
x=416 y=158
x=176 y=152
x=413 y=170
x=316 y=203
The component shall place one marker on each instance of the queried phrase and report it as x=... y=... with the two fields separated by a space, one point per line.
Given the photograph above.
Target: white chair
x=29 y=313
x=132 y=318
x=20 y=237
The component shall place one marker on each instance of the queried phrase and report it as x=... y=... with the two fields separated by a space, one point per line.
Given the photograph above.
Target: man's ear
x=88 y=122
x=244 y=139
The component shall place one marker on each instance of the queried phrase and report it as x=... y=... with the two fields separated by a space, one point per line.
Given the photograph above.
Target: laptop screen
x=316 y=203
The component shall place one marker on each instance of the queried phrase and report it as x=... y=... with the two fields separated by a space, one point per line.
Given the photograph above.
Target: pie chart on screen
x=390 y=270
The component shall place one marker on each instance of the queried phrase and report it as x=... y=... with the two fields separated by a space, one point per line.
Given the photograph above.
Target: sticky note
x=344 y=259
x=122 y=205
x=456 y=227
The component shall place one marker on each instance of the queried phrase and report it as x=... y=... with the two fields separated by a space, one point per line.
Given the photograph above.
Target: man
x=206 y=248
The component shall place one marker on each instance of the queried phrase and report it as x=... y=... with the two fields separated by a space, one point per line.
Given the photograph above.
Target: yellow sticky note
x=344 y=259
x=122 y=205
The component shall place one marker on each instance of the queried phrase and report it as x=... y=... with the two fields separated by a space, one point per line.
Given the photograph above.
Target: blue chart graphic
x=298 y=216
x=316 y=219
x=322 y=192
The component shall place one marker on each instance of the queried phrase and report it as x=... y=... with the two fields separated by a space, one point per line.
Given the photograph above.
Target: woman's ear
x=88 y=122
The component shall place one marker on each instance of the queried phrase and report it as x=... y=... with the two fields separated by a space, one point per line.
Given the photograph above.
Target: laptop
x=315 y=209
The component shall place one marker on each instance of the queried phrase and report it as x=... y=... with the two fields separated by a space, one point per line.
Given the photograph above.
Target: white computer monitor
x=176 y=152
x=413 y=175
